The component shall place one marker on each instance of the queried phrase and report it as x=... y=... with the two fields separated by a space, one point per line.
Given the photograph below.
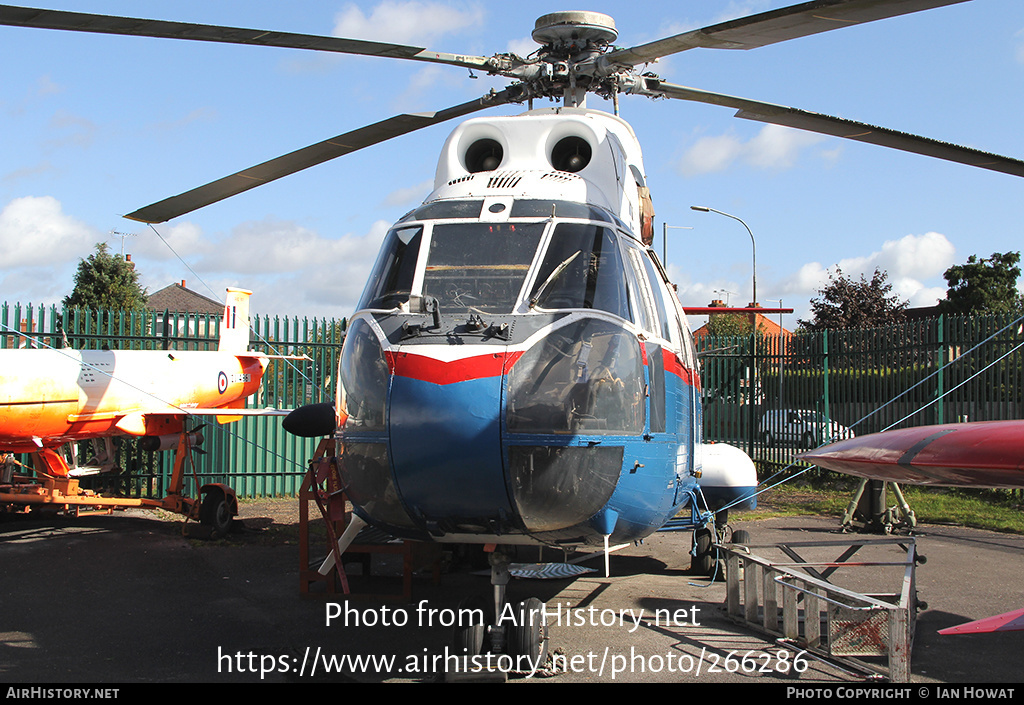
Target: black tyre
x=529 y=636
x=703 y=562
x=470 y=632
x=215 y=512
x=741 y=536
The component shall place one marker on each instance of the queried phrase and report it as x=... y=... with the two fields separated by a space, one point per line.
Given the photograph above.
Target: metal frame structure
x=793 y=598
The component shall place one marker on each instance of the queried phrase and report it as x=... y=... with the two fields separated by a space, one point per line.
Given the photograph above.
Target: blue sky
x=95 y=126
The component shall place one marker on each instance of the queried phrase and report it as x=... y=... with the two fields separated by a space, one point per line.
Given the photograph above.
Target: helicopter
x=519 y=370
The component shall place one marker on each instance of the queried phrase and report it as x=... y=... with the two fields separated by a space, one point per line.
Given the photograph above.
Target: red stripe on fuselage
x=674 y=364
x=429 y=369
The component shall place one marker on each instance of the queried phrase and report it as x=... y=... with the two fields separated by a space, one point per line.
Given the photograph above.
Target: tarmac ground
x=127 y=599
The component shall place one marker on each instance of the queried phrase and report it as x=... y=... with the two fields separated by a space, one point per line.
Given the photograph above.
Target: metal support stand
x=870 y=507
x=856 y=625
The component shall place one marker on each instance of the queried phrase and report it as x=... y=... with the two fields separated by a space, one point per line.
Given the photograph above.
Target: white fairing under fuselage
x=519 y=368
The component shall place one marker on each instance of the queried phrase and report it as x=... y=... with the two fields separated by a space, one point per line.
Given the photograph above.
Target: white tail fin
x=234 y=329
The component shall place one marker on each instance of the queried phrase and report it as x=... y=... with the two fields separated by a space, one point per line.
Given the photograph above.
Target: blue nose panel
x=446 y=452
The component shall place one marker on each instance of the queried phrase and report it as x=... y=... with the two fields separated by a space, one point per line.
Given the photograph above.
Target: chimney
x=182 y=283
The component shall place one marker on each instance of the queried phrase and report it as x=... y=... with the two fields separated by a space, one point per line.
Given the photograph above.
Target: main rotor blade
x=311 y=156
x=773 y=26
x=109 y=24
x=839 y=127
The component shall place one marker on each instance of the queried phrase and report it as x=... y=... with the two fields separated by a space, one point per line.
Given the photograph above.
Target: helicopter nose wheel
x=528 y=637
x=518 y=632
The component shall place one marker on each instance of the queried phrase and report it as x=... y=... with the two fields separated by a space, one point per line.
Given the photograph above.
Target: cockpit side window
x=643 y=299
x=391 y=280
x=658 y=287
x=582 y=268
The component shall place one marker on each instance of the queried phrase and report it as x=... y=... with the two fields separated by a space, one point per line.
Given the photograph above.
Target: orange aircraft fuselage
x=51 y=397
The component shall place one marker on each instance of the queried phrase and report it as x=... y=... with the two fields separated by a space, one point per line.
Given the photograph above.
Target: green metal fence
x=255 y=455
x=773 y=396
x=930 y=371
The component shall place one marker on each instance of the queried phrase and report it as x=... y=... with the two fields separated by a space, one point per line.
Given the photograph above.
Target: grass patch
x=995 y=510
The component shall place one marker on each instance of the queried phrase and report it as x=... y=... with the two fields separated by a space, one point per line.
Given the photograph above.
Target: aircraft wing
x=980 y=454
x=134 y=423
x=228 y=415
x=1008 y=622
x=237 y=412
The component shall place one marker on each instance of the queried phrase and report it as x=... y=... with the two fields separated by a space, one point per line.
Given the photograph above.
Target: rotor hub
x=574 y=26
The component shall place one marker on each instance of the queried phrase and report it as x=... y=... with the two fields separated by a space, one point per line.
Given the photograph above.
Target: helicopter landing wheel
x=703 y=562
x=529 y=635
x=469 y=637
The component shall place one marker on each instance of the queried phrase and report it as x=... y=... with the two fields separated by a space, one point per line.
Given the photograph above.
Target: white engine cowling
x=727 y=474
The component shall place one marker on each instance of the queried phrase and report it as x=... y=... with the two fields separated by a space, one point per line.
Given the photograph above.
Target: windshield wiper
x=550 y=280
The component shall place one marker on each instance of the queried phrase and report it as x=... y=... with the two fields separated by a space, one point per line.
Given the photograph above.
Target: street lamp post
x=705 y=209
x=664 y=239
x=752 y=378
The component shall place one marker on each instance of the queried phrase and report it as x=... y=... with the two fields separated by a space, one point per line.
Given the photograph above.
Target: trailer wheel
x=215 y=512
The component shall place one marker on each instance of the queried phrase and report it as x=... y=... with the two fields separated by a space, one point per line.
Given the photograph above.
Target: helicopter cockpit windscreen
x=479 y=266
x=391 y=281
x=582 y=268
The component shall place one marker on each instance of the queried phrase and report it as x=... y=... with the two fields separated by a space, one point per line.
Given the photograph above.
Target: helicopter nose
x=446 y=443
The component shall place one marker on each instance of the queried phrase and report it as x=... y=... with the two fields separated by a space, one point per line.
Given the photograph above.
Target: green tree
x=984 y=286
x=105 y=281
x=729 y=324
x=846 y=303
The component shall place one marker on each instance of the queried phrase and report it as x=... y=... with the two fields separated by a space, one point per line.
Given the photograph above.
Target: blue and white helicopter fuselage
x=519 y=369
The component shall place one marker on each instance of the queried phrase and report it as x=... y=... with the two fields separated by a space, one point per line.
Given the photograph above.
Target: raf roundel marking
x=222 y=382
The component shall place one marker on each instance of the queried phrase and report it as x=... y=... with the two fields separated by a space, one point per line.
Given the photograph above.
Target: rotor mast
x=571 y=42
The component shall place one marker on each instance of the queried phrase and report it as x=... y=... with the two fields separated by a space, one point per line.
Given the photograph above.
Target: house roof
x=177 y=299
x=765 y=324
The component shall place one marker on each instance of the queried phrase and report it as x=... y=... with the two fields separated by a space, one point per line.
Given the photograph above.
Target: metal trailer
x=799 y=602
x=58 y=491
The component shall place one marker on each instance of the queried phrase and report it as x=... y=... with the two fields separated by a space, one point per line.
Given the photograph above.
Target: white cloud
x=163 y=242
x=711 y=154
x=908 y=262
x=416 y=22
x=410 y=196
x=267 y=246
x=423 y=85
x=29 y=172
x=201 y=114
x=774 y=147
x=740 y=8
x=522 y=47
x=35 y=231
x=291 y=269
x=912 y=256
x=777 y=147
x=73 y=130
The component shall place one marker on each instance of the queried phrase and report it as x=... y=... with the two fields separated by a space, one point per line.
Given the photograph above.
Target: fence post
x=752 y=391
x=940 y=386
x=824 y=369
